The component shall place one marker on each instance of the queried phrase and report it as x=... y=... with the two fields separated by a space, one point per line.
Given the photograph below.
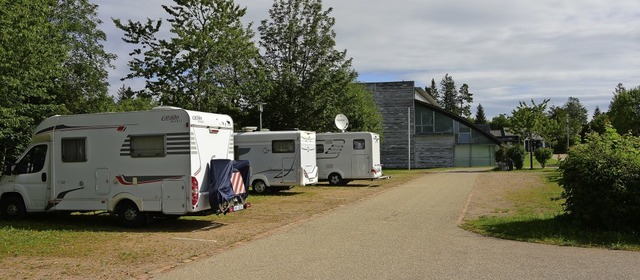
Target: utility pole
x=567 y=132
x=260 y=109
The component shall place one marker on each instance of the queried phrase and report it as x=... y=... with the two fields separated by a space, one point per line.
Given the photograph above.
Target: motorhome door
x=289 y=170
x=32 y=176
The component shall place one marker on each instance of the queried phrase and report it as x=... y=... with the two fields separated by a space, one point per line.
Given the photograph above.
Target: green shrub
x=601 y=182
x=502 y=159
x=501 y=154
x=543 y=155
x=516 y=153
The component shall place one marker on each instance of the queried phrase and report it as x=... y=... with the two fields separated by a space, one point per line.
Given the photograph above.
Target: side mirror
x=7 y=169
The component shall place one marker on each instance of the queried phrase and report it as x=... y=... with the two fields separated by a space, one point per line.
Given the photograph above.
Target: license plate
x=238 y=207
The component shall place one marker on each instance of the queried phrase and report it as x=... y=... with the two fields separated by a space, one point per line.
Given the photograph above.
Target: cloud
x=506 y=51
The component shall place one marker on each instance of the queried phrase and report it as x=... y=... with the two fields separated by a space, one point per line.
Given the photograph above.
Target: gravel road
x=408 y=232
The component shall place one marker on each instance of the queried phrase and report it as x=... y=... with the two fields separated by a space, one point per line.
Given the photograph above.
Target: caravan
x=279 y=159
x=132 y=164
x=347 y=156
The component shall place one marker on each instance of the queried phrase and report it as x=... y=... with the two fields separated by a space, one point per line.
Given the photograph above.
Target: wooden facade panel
x=434 y=150
x=393 y=100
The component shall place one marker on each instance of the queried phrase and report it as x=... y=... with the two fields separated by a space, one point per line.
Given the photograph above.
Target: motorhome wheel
x=335 y=179
x=13 y=208
x=259 y=186
x=129 y=215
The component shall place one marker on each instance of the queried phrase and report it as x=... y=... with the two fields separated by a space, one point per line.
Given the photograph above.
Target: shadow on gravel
x=103 y=222
x=470 y=170
x=352 y=184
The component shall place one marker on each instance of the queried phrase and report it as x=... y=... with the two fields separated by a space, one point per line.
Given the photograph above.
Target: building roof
x=424 y=96
x=460 y=120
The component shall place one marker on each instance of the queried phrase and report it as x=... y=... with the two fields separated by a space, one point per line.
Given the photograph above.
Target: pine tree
x=464 y=98
x=433 y=90
x=619 y=89
x=449 y=95
x=596 y=113
x=480 y=116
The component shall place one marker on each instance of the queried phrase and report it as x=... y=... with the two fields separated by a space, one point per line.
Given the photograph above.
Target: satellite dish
x=342 y=122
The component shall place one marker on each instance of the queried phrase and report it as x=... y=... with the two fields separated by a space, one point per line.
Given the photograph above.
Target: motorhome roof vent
x=159 y=108
x=249 y=128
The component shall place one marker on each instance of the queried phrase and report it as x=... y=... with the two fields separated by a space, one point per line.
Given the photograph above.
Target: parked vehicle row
x=283 y=159
x=172 y=162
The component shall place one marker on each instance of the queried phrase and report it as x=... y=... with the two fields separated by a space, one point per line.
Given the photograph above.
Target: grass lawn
x=537 y=217
x=553 y=162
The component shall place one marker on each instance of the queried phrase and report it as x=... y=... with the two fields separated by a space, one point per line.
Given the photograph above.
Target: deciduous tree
x=624 y=110
x=209 y=64
x=500 y=121
x=565 y=124
x=529 y=121
x=83 y=87
x=309 y=80
x=51 y=62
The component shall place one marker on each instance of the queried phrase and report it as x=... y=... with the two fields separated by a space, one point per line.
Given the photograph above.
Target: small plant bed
x=527 y=206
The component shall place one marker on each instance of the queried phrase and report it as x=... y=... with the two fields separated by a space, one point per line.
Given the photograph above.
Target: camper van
x=347 y=156
x=279 y=159
x=132 y=164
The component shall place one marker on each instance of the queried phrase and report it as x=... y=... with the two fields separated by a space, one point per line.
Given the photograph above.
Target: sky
x=506 y=51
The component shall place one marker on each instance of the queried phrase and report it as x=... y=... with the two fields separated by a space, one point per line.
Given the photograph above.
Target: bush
x=516 y=153
x=601 y=182
x=543 y=155
x=502 y=159
x=501 y=154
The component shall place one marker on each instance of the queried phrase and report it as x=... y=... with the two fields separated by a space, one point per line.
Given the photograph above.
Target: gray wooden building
x=417 y=133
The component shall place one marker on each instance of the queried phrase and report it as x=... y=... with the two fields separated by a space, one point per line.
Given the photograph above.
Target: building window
x=319 y=148
x=148 y=146
x=358 y=144
x=444 y=124
x=74 y=150
x=425 y=122
x=464 y=134
x=283 y=146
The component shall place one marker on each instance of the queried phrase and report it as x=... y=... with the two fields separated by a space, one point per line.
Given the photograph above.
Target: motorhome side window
x=283 y=146
x=148 y=146
x=319 y=148
x=74 y=150
x=358 y=144
x=33 y=161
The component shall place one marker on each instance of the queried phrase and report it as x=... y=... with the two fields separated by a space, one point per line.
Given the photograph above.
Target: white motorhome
x=347 y=156
x=279 y=159
x=132 y=164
